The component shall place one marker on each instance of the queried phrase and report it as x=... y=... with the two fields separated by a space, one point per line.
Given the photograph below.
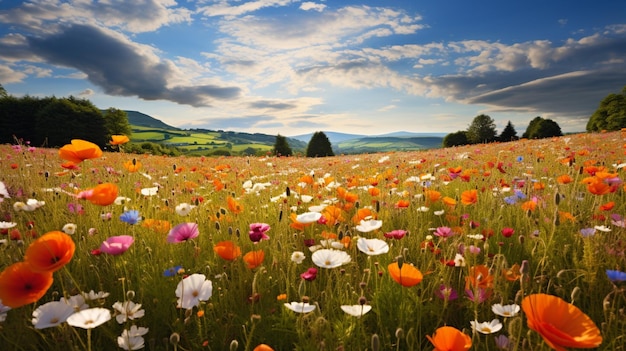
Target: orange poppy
x=539 y=186
x=406 y=276
x=449 y=338
x=529 y=205
x=80 y=150
x=332 y=215
x=478 y=277
x=253 y=259
x=598 y=187
x=263 y=347
x=158 y=225
x=373 y=191
x=402 y=204
x=69 y=165
x=233 y=205
x=469 y=197
x=307 y=179
x=560 y=324
x=217 y=184
x=295 y=224
x=20 y=285
x=50 y=252
x=118 y=139
x=512 y=274
x=607 y=206
x=433 y=195
x=361 y=214
x=449 y=201
x=227 y=250
x=103 y=194
x=564 y=179
x=132 y=165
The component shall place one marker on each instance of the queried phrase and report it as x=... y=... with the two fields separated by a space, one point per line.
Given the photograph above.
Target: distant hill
x=333 y=137
x=141 y=119
x=387 y=143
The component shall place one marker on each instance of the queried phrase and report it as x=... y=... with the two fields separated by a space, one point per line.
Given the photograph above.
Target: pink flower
x=396 y=234
x=444 y=232
x=310 y=274
x=116 y=245
x=507 y=232
x=446 y=293
x=183 y=232
x=257 y=232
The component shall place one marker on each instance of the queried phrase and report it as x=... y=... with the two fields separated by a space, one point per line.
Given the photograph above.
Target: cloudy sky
x=294 y=67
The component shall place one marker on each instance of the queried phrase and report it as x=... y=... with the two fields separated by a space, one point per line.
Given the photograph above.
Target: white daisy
x=366 y=226
x=356 y=310
x=308 y=217
x=300 y=307
x=184 y=209
x=89 y=318
x=487 y=327
x=127 y=310
x=372 y=246
x=51 y=314
x=69 y=228
x=505 y=310
x=297 y=257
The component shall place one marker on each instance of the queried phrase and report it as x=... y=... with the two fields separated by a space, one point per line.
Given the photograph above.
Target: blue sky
x=295 y=67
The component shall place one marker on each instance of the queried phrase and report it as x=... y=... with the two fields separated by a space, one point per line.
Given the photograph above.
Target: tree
x=610 y=115
x=540 y=128
x=455 y=139
x=281 y=147
x=508 y=133
x=3 y=92
x=116 y=122
x=482 y=130
x=319 y=146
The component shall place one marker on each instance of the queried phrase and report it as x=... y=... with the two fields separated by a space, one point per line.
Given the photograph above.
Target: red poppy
x=50 y=252
x=20 y=285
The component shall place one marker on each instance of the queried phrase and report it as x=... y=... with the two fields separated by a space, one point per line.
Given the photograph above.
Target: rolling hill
x=205 y=142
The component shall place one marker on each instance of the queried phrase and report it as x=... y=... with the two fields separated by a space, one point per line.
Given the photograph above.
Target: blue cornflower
x=130 y=217
x=616 y=276
x=511 y=200
x=519 y=194
x=172 y=271
x=586 y=232
x=520 y=158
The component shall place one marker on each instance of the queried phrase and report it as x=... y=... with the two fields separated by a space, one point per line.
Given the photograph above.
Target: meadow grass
x=525 y=215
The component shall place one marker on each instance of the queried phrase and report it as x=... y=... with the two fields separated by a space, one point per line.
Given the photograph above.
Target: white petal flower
x=366 y=226
x=51 y=314
x=193 y=289
x=300 y=307
x=602 y=228
x=459 y=260
x=184 y=209
x=487 y=327
x=127 y=310
x=356 y=310
x=7 y=225
x=92 y=295
x=77 y=302
x=121 y=200
x=308 y=217
x=89 y=318
x=150 y=191
x=306 y=198
x=372 y=246
x=297 y=257
x=505 y=310
x=69 y=228
x=328 y=258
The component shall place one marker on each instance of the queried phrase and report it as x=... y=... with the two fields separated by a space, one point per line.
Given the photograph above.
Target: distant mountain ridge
x=141 y=119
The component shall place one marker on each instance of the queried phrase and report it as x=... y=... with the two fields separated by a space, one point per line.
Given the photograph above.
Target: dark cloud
x=118 y=68
x=274 y=105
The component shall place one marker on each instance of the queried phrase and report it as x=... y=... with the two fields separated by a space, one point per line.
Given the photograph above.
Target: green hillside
x=385 y=144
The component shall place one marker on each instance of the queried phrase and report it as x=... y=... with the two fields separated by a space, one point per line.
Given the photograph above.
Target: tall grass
x=247 y=305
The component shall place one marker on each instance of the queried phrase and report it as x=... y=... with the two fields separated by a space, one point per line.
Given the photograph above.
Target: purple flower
x=616 y=276
x=310 y=274
x=183 y=232
x=481 y=295
x=396 y=234
x=116 y=245
x=257 y=232
x=444 y=232
x=130 y=217
x=586 y=232
x=446 y=293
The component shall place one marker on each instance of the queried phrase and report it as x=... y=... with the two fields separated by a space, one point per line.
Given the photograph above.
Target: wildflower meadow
x=504 y=246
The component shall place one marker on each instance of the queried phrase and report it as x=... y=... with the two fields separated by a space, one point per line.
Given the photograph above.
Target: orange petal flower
x=80 y=150
x=598 y=187
x=253 y=259
x=227 y=250
x=433 y=195
x=607 y=206
x=478 y=277
x=406 y=276
x=449 y=201
x=118 y=139
x=402 y=204
x=529 y=205
x=263 y=347
x=513 y=273
x=233 y=205
x=20 y=285
x=469 y=197
x=103 y=194
x=564 y=179
x=373 y=191
x=332 y=215
x=158 y=225
x=450 y=339
x=50 y=252
x=560 y=324
x=132 y=165
x=361 y=214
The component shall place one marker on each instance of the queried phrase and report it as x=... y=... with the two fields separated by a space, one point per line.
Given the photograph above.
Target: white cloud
x=308 y=5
